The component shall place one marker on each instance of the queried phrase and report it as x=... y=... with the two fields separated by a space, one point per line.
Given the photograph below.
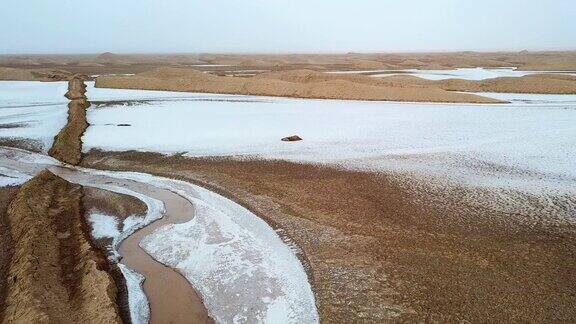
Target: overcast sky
x=123 y=26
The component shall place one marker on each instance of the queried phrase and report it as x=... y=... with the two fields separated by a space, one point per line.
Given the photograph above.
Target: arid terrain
x=110 y=63
x=120 y=205
x=305 y=76
x=384 y=248
x=296 y=84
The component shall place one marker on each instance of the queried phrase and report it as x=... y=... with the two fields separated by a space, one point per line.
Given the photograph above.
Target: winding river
x=248 y=274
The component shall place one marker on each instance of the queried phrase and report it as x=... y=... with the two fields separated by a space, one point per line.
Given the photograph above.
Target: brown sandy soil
x=379 y=247
x=565 y=60
x=545 y=83
x=33 y=74
x=6 y=244
x=112 y=203
x=67 y=146
x=332 y=87
x=55 y=274
x=23 y=143
x=109 y=63
x=542 y=83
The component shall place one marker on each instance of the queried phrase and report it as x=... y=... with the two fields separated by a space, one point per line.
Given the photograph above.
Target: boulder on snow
x=292 y=138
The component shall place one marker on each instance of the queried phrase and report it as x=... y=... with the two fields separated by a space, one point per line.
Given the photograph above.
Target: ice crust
x=528 y=144
x=532 y=136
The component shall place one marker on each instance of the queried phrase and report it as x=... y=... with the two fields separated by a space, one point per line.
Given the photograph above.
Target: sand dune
x=110 y=63
x=34 y=74
x=540 y=83
x=299 y=84
x=543 y=83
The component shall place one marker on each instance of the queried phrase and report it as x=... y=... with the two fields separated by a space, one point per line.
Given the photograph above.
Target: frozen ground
x=32 y=110
x=529 y=143
x=461 y=73
x=36 y=111
x=9 y=177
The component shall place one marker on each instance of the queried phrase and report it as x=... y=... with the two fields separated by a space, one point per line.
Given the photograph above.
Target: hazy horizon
x=273 y=27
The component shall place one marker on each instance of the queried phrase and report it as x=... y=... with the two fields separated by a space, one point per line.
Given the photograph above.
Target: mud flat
x=55 y=274
x=329 y=87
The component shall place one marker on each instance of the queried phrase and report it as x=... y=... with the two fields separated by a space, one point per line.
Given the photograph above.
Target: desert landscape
x=149 y=175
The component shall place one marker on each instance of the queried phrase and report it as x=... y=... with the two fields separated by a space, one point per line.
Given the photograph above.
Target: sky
x=284 y=26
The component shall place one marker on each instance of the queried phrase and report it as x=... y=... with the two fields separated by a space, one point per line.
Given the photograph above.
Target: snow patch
x=36 y=110
x=12 y=177
x=137 y=300
x=103 y=226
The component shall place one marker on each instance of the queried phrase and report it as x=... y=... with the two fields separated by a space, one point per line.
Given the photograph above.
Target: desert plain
x=426 y=187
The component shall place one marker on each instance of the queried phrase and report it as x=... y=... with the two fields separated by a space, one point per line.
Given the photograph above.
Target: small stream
x=161 y=281
x=241 y=268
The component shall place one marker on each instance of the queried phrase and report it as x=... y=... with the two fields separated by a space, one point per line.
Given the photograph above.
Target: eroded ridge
x=67 y=145
x=56 y=275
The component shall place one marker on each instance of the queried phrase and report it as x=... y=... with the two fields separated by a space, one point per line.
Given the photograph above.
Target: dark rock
x=292 y=138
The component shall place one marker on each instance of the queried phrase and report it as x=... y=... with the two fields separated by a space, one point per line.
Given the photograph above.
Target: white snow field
x=460 y=73
x=528 y=143
x=32 y=110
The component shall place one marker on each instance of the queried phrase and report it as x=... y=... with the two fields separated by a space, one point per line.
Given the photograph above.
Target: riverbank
x=55 y=274
x=394 y=248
